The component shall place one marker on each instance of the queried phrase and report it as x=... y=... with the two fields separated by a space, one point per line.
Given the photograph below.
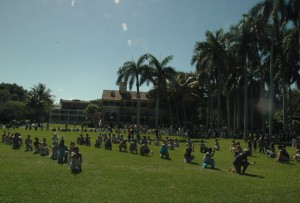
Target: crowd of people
x=59 y=151
x=73 y=158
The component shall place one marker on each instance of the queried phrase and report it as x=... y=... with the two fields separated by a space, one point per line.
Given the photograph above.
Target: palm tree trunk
x=228 y=114
x=284 y=106
x=184 y=111
x=157 y=113
x=290 y=103
x=251 y=111
x=235 y=114
x=176 y=109
x=170 y=111
x=207 y=112
x=238 y=112
x=271 y=88
x=211 y=113
x=245 y=103
x=262 y=91
x=138 y=112
x=262 y=97
x=219 y=100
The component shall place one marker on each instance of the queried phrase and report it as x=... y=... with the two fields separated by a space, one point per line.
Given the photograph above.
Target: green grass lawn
x=113 y=176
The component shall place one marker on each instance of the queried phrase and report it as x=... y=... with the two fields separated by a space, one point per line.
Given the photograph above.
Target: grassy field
x=113 y=176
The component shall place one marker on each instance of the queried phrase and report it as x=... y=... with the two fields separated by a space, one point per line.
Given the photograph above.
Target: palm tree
x=273 y=11
x=288 y=70
x=158 y=72
x=210 y=55
x=233 y=86
x=185 y=86
x=242 y=49
x=91 y=111
x=262 y=44
x=171 y=91
x=131 y=72
x=40 y=100
x=292 y=41
x=294 y=15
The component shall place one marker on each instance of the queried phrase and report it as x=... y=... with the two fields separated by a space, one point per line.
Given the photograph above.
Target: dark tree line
x=18 y=104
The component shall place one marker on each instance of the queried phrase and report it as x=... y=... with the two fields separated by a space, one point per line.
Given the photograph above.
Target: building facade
x=120 y=107
x=69 y=111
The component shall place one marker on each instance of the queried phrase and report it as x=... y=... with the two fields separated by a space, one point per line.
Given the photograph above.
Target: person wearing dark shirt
x=188 y=157
x=241 y=163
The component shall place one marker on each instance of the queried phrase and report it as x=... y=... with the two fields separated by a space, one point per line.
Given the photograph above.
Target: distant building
x=120 y=107
x=69 y=111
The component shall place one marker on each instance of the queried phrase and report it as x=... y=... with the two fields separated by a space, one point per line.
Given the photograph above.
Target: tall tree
x=287 y=66
x=171 y=91
x=131 y=72
x=294 y=15
x=241 y=48
x=92 y=112
x=40 y=100
x=272 y=13
x=210 y=55
x=158 y=72
x=185 y=87
x=12 y=92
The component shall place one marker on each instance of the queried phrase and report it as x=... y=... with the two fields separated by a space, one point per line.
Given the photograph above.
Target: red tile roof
x=115 y=95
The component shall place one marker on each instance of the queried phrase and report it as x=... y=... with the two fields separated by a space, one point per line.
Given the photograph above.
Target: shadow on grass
x=76 y=172
x=252 y=175
x=216 y=169
x=212 y=169
x=194 y=163
x=169 y=159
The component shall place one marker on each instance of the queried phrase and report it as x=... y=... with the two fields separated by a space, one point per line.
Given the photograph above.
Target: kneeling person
x=208 y=158
x=108 y=144
x=241 y=163
x=283 y=156
x=164 y=151
x=28 y=144
x=123 y=146
x=76 y=161
x=144 y=150
x=133 y=147
x=188 y=157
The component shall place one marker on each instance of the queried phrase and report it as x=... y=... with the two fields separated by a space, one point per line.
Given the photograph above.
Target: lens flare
x=125 y=28
x=129 y=42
